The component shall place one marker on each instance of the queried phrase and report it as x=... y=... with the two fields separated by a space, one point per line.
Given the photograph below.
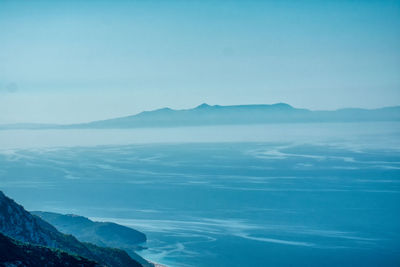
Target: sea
x=300 y=194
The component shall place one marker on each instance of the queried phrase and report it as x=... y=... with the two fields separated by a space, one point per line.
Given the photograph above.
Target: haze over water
x=278 y=194
x=285 y=194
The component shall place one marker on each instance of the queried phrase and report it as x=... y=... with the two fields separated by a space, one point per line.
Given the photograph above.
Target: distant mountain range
x=29 y=237
x=205 y=114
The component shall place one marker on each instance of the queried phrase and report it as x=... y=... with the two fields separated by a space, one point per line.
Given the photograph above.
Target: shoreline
x=157 y=264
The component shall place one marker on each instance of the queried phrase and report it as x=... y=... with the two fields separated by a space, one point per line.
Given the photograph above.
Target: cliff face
x=17 y=223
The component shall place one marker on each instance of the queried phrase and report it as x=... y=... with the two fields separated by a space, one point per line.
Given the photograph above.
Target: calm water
x=265 y=195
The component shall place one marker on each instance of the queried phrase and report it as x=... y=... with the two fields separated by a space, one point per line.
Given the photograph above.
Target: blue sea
x=260 y=195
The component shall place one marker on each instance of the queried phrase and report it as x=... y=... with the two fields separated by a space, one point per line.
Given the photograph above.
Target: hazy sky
x=71 y=61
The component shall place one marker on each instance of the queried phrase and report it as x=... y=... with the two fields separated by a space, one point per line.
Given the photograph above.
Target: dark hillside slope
x=15 y=253
x=19 y=224
x=105 y=234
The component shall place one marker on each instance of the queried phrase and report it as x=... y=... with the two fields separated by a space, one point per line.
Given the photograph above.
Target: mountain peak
x=204 y=105
x=282 y=105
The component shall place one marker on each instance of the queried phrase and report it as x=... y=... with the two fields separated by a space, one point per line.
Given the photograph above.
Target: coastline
x=157 y=264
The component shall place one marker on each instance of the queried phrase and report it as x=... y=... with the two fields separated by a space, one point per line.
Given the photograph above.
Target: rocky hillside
x=100 y=233
x=105 y=234
x=15 y=253
x=17 y=223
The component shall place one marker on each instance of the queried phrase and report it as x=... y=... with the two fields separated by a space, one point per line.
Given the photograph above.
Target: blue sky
x=72 y=61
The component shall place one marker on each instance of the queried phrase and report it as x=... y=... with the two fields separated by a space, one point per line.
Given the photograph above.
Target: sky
x=76 y=61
